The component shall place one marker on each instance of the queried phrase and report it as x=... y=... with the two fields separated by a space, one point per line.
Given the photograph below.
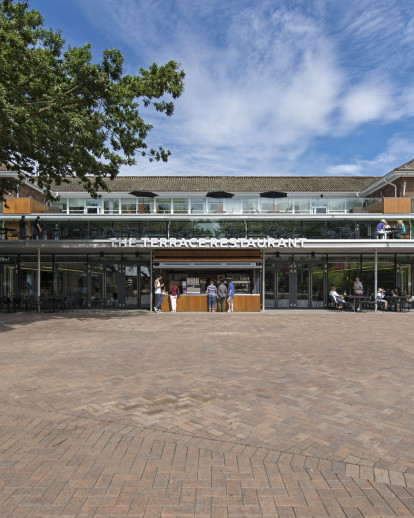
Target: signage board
x=194 y=242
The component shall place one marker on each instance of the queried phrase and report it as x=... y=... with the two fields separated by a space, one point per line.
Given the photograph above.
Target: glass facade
x=291 y=280
x=66 y=228
x=301 y=281
x=88 y=280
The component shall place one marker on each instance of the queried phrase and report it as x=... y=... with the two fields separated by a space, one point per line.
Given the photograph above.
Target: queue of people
x=215 y=294
x=220 y=293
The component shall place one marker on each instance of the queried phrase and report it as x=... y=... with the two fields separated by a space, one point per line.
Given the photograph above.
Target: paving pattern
x=128 y=413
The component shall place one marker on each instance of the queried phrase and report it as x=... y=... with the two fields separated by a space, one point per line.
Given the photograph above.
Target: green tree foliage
x=62 y=115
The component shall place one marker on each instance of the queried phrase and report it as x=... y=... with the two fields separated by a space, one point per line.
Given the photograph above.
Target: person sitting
x=337 y=298
x=396 y=292
x=382 y=229
x=399 y=229
x=381 y=301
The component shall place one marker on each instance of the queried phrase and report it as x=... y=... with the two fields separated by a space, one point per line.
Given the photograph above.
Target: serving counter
x=198 y=302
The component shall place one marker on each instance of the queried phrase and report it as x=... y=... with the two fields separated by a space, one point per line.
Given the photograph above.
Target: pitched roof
x=233 y=184
x=408 y=166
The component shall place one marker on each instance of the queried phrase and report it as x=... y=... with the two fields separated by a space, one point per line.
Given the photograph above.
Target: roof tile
x=234 y=184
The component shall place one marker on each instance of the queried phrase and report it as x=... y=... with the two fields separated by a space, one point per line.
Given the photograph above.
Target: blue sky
x=323 y=87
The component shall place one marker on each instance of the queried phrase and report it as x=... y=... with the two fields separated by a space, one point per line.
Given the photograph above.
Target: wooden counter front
x=195 y=302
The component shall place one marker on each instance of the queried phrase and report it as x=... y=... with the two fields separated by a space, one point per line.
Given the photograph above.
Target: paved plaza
x=130 y=413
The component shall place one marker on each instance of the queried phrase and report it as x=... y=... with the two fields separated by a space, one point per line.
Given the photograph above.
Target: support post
x=38 y=280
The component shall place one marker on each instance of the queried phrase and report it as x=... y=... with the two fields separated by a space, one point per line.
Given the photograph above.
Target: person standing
x=37 y=229
x=158 y=285
x=23 y=227
x=358 y=292
x=221 y=296
x=211 y=296
x=230 y=296
x=173 y=296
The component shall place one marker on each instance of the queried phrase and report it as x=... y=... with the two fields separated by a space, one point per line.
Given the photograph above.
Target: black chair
x=368 y=304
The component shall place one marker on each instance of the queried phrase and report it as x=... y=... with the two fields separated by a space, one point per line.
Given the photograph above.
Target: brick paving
x=130 y=413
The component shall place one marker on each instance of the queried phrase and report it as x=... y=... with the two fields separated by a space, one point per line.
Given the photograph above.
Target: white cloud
x=398 y=151
x=265 y=82
x=365 y=103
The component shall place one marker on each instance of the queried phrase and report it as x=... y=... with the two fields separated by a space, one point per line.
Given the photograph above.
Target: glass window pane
x=163 y=205
x=338 y=205
x=302 y=205
x=250 y=205
x=232 y=205
x=285 y=204
x=76 y=206
x=61 y=204
x=72 y=278
x=128 y=206
x=197 y=205
x=180 y=206
x=111 y=206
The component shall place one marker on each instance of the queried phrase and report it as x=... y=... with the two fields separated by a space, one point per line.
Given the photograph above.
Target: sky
x=272 y=87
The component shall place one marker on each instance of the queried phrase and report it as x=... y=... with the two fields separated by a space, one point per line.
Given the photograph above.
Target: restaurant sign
x=172 y=242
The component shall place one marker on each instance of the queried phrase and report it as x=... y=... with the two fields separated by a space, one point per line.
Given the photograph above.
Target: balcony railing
x=340 y=229
x=202 y=205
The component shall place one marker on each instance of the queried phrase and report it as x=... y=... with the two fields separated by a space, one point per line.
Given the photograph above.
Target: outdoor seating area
x=368 y=303
x=45 y=304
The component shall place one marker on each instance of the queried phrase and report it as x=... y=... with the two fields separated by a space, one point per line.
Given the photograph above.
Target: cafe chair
x=368 y=304
x=338 y=305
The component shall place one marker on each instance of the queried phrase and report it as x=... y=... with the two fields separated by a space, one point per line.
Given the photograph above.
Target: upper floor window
x=197 y=205
x=128 y=206
x=76 y=206
x=163 y=205
x=180 y=205
x=250 y=205
x=93 y=206
x=111 y=205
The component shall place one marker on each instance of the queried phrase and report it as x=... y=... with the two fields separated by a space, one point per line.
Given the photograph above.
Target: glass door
x=405 y=281
x=284 y=285
x=7 y=287
x=111 y=285
x=131 y=286
x=303 y=299
x=97 y=285
x=317 y=283
x=144 y=286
